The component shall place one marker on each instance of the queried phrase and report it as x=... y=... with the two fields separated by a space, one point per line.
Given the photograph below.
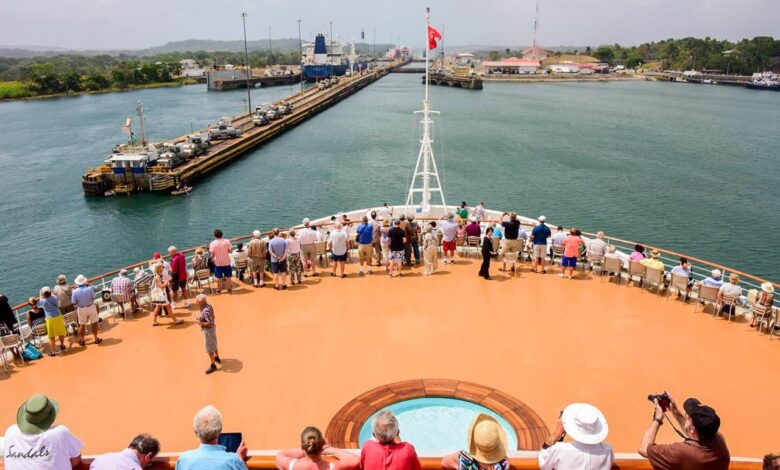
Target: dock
x=468 y=82
x=96 y=181
x=227 y=83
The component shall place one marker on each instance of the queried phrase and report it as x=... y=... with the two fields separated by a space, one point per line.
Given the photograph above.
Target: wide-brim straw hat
x=585 y=423
x=37 y=414
x=487 y=441
x=768 y=288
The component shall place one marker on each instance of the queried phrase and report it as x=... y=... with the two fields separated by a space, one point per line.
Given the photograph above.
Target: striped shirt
x=220 y=252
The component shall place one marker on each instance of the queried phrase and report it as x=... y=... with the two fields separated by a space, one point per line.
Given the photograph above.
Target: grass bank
x=15 y=90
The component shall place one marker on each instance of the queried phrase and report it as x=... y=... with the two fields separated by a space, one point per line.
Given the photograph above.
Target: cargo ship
x=326 y=58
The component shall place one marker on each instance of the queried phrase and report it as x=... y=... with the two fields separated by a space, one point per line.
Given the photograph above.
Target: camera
x=663 y=400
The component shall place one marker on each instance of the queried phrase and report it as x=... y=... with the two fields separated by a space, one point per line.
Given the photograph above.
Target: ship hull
x=312 y=73
x=756 y=86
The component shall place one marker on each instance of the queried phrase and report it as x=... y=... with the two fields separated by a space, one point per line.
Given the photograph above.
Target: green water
x=690 y=168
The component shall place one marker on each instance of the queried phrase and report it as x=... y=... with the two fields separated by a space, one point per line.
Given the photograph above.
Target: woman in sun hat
x=587 y=427
x=764 y=298
x=63 y=292
x=33 y=443
x=487 y=447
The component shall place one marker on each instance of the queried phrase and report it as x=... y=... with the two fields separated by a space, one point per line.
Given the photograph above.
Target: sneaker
x=212 y=368
x=173 y=304
x=186 y=304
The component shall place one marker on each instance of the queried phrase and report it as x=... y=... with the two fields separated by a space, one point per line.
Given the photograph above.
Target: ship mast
x=425 y=158
x=139 y=109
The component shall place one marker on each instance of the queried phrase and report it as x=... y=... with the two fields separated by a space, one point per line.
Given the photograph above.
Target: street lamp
x=300 y=54
x=248 y=66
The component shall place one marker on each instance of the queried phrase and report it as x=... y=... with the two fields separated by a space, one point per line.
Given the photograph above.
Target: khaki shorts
x=308 y=252
x=512 y=246
x=365 y=252
x=256 y=265
x=87 y=315
x=540 y=251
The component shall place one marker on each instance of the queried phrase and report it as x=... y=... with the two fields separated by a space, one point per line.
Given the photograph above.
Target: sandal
x=82 y=343
x=99 y=340
x=343 y=276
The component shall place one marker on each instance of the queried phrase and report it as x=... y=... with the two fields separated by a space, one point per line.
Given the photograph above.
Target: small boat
x=109 y=193
x=181 y=190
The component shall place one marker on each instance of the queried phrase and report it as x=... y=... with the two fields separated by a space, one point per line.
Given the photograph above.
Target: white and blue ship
x=323 y=59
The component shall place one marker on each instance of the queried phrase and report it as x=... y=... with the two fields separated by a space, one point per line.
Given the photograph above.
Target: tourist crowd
x=34 y=442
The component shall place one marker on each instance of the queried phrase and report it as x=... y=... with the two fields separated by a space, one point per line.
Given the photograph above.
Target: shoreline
x=175 y=84
x=534 y=79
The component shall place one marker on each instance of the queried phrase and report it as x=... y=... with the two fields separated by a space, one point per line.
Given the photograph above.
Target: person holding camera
x=703 y=446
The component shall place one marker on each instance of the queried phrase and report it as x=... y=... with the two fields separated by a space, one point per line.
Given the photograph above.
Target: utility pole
x=300 y=53
x=248 y=66
x=270 y=52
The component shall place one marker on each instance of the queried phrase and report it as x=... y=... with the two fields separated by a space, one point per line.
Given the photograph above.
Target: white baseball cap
x=542 y=218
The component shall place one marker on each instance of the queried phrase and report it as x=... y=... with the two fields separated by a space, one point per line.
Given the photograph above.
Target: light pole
x=374 y=44
x=300 y=53
x=331 y=48
x=248 y=67
x=270 y=52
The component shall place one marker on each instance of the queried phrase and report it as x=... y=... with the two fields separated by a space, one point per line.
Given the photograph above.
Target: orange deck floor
x=294 y=358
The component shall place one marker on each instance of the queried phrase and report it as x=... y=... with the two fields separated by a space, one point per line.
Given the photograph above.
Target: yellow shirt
x=653 y=264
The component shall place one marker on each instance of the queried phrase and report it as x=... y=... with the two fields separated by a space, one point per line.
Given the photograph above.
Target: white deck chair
x=636 y=269
x=731 y=301
x=472 y=241
x=707 y=294
x=679 y=282
x=12 y=344
x=653 y=277
x=612 y=265
x=511 y=257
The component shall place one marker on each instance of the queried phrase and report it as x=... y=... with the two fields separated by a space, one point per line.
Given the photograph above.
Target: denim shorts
x=569 y=261
x=223 y=271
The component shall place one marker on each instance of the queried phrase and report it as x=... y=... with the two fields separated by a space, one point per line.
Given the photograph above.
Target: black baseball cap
x=705 y=419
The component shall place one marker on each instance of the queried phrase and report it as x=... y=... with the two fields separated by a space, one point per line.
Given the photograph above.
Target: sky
x=137 y=24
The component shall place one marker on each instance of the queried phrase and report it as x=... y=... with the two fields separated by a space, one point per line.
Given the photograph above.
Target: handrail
x=724 y=268
x=267 y=462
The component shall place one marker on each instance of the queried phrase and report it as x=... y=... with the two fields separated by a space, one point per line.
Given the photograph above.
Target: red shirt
x=376 y=456
x=179 y=267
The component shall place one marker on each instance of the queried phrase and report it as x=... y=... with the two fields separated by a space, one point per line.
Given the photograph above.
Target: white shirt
x=125 y=460
x=293 y=245
x=575 y=455
x=307 y=236
x=449 y=230
x=731 y=289
x=597 y=246
x=557 y=239
x=338 y=242
x=49 y=450
x=385 y=212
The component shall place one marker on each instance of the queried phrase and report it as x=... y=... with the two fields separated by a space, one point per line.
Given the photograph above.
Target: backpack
x=31 y=353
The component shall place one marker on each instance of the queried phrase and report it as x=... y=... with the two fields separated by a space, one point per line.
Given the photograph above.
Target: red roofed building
x=535 y=53
x=512 y=66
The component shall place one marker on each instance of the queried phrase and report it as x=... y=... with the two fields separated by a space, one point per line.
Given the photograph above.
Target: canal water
x=690 y=168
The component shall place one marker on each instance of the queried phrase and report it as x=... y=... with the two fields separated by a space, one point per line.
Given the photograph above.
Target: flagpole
x=427 y=25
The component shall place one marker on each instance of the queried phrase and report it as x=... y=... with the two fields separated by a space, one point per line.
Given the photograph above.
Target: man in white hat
x=83 y=298
x=33 y=443
x=587 y=428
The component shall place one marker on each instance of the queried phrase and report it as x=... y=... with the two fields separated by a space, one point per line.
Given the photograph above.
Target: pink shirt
x=636 y=256
x=376 y=456
x=220 y=252
x=571 y=246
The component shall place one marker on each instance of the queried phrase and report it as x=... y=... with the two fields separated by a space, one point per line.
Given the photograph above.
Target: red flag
x=433 y=35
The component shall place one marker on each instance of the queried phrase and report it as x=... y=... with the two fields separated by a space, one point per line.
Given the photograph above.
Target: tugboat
x=764 y=81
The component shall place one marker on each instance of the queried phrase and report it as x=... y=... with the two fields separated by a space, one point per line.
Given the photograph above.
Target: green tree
x=605 y=54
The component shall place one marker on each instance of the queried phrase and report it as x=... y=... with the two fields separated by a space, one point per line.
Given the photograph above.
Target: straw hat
x=487 y=441
x=80 y=280
x=37 y=414
x=655 y=254
x=62 y=280
x=385 y=223
x=768 y=287
x=585 y=423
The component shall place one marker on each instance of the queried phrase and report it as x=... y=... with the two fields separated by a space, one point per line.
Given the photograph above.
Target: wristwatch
x=660 y=421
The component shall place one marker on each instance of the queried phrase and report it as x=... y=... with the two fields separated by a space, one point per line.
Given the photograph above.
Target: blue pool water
x=437 y=424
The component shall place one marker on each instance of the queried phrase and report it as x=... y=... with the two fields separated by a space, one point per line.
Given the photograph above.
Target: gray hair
x=145 y=444
x=385 y=427
x=306 y=222
x=337 y=225
x=207 y=424
x=201 y=298
x=257 y=234
x=600 y=235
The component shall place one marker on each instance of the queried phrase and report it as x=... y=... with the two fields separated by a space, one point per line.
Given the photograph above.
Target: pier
x=468 y=82
x=96 y=181
x=717 y=79
x=221 y=84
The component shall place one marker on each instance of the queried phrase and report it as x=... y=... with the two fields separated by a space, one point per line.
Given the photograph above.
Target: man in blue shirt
x=84 y=300
x=365 y=239
x=210 y=455
x=539 y=236
x=278 y=249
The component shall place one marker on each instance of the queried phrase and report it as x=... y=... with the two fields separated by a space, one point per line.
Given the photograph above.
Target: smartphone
x=231 y=441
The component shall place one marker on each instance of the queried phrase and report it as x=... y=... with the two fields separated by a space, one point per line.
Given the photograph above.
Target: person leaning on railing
x=7 y=318
x=309 y=456
x=386 y=451
x=703 y=446
x=138 y=455
x=486 y=444
x=587 y=427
